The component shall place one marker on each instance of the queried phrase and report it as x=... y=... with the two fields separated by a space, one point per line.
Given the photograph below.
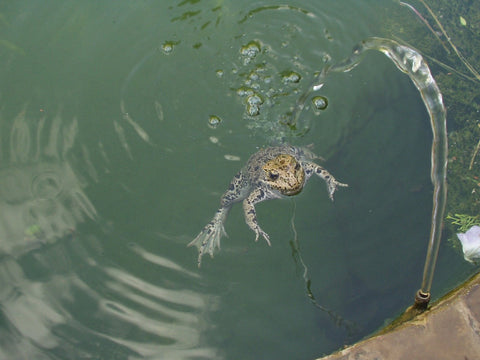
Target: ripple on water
x=41 y=198
x=70 y=291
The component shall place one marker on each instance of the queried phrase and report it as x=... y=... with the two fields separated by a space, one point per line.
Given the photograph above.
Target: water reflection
x=60 y=296
x=41 y=198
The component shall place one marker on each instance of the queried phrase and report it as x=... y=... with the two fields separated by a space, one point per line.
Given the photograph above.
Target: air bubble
x=254 y=100
x=253 y=76
x=213 y=139
x=250 y=50
x=214 y=121
x=289 y=77
x=219 y=73
x=231 y=157
x=271 y=93
x=167 y=47
x=244 y=91
x=253 y=104
x=320 y=102
x=253 y=110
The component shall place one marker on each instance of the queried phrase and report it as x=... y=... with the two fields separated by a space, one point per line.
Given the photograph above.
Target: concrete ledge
x=449 y=330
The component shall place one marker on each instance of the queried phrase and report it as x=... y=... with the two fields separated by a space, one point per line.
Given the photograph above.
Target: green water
x=109 y=167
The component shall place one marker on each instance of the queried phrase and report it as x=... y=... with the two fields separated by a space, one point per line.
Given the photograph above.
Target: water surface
x=111 y=163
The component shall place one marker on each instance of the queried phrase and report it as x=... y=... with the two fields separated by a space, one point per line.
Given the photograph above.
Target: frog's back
x=269 y=153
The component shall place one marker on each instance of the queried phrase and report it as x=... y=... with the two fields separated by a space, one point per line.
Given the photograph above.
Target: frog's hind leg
x=209 y=238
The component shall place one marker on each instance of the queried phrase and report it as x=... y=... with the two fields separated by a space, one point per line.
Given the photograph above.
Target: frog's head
x=284 y=174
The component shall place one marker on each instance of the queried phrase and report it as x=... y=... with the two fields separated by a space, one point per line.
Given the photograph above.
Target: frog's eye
x=273 y=175
x=297 y=166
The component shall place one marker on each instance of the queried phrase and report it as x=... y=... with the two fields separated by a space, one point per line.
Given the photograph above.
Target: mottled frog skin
x=270 y=173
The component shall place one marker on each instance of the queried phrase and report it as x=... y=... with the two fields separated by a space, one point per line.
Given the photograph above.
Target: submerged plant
x=443 y=32
x=463 y=222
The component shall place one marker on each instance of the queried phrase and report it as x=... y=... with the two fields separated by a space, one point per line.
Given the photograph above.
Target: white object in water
x=470 y=243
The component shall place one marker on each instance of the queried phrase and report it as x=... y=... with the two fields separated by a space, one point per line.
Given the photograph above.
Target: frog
x=271 y=173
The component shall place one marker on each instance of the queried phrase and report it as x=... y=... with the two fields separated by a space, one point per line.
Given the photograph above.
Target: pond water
x=122 y=123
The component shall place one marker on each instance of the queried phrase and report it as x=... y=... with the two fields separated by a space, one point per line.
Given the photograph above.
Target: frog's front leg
x=255 y=197
x=311 y=168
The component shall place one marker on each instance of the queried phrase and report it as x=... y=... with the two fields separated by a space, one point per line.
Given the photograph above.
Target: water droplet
x=219 y=73
x=214 y=121
x=289 y=77
x=320 y=102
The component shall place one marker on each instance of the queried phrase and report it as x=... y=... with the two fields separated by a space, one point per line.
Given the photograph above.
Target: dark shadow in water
x=351 y=328
x=412 y=63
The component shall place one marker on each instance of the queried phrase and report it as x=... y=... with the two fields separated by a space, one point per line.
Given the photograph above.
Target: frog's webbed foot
x=209 y=238
x=332 y=185
x=251 y=216
x=258 y=232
